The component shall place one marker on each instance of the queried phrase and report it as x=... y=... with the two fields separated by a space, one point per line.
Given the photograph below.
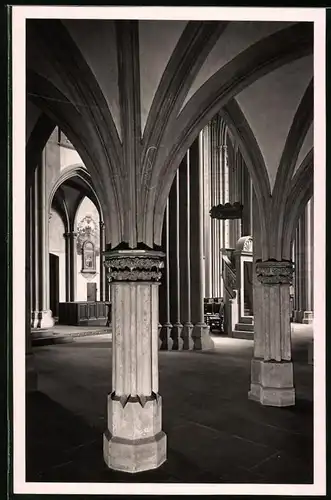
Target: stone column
x=42 y=317
x=102 y=280
x=226 y=223
x=207 y=204
x=308 y=312
x=175 y=265
x=257 y=285
x=165 y=334
x=67 y=265
x=31 y=380
x=246 y=199
x=215 y=190
x=272 y=372
x=301 y=269
x=200 y=333
x=185 y=251
x=134 y=440
x=34 y=272
x=73 y=265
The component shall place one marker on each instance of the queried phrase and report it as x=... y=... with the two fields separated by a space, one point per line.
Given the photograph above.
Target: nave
x=216 y=435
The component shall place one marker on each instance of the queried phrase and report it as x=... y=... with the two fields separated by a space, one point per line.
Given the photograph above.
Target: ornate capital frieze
x=275 y=272
x=134 y=265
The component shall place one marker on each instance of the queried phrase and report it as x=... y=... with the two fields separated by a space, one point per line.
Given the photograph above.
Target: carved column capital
x=134 y=265
x=275 y=272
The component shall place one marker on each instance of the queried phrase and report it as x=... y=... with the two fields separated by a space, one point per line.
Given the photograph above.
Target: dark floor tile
x=283 y=468
x=257 y=432
x=227 y=451
x=215 y=434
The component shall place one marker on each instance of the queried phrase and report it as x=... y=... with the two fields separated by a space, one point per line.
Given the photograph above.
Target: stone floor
x=215 y=434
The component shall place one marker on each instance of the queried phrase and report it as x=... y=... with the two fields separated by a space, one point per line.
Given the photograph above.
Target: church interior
x=169 y=251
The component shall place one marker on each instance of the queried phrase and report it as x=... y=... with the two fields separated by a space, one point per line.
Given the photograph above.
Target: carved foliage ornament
x=140 y=267
x=275 y=272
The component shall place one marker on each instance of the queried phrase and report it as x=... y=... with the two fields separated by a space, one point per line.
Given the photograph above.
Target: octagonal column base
x=272 y=383
x=136 y=455
x=134 y=441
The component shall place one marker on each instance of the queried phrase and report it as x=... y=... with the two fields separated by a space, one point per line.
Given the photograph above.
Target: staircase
x=245 y=328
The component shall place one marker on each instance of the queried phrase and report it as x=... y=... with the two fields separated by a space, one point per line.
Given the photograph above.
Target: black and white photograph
x=169 y=250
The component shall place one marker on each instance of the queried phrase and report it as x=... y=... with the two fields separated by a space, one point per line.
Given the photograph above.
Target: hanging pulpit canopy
x=227 y=211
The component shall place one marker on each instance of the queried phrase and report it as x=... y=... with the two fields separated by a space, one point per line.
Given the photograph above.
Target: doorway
x=91 y=292
x=248 y=288
x=54 y=278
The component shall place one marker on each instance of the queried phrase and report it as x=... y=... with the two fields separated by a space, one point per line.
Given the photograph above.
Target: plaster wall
x=236 y=37
x=271 y=100
x=157 y=40
x=96 y=39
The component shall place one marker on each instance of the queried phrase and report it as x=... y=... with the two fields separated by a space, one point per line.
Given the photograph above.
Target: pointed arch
x=39 y=136
x=296 y=136
x=80 y=172
x=264 y=56
x=299 y=193
x=195 y=43
x=62 y=112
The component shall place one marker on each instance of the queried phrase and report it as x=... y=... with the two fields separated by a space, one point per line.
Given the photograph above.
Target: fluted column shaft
x=67 y=265
x=200 y=333
x=134 y=440
x=31 y=374
x=257 y=285
x=309 y=274
x=312 y=254
x=42 y=315
x=102 y=280
x=185 y=251
x=207 y=203
x=175 y=271
x=166 y=325
x=303 y=266
x=73 y=265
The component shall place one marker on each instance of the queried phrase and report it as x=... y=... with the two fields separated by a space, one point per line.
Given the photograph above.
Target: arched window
x=89 y=260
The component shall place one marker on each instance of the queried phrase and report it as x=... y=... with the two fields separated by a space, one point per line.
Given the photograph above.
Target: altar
x=85 y=313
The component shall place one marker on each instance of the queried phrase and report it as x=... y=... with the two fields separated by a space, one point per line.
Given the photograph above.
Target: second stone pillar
x=272 y=368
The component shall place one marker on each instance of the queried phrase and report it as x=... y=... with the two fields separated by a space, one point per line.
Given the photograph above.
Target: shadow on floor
x=62 y=447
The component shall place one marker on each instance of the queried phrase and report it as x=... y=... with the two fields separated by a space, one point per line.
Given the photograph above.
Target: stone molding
x=134 y=265
x=124 y=399
x=274 y=272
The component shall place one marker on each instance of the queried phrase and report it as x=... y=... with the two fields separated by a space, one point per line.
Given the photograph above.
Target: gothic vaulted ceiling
x=132 y=96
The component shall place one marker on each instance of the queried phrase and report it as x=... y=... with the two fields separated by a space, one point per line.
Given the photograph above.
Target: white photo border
x=19 y=16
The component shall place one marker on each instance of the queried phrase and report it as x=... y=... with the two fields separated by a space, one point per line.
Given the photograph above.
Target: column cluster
x=182 y=320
